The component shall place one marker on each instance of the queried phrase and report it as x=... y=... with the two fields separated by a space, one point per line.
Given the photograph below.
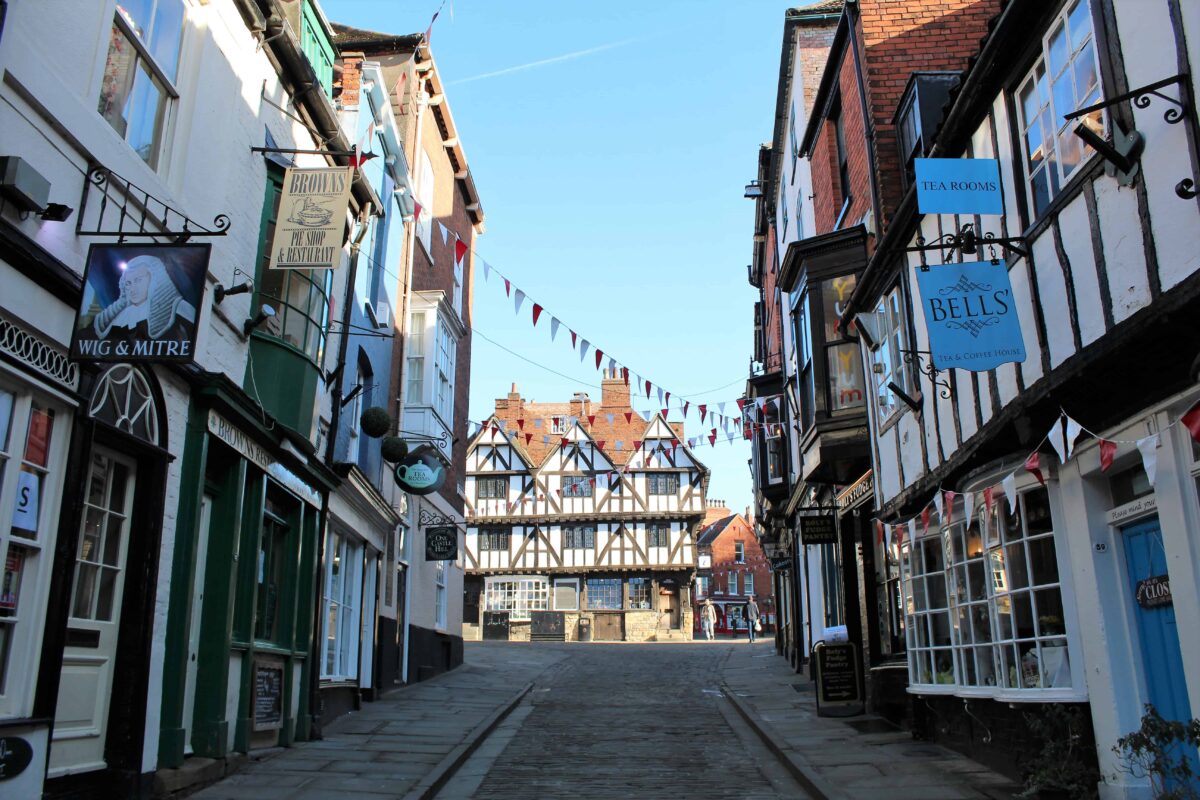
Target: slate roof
x=709 y=533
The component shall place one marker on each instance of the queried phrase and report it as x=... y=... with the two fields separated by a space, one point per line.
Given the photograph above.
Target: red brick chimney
x=614 y=392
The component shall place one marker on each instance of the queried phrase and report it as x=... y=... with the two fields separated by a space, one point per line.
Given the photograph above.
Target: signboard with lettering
x=970 y=315
x=1154 y=592
x=818 y=530
x=25 y=515
x=15 y=755
x=421 y=472
x=441 y=543
x=781 y=564
x=268 y=695
x=140 y=303
x=838 y=685
x=312 y=218
x=958 y=186
x=1131 y=511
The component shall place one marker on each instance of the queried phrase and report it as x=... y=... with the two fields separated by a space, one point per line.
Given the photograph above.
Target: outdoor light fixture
x=265 y=312
x=1125 y=158
x=56 y=212
x=753 y=190
x=904 y=397
x=220 y=292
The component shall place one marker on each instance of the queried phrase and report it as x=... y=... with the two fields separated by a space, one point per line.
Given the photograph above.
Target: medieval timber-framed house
x=581 y=521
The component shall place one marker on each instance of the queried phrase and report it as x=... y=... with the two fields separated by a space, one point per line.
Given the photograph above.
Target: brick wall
x=723 y=550
x=812 y=51
x=900 y=37
x=895 y=39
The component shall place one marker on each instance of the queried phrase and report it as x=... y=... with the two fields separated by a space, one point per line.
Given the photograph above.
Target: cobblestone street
x=608 y=720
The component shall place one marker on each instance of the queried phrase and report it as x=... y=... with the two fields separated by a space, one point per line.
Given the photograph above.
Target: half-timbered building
x=581 y=521
x=1024 y=587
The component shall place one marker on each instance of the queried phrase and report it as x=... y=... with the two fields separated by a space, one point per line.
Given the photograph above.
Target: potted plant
x=1158 y=751
x=375 y=421
x=1062 y=764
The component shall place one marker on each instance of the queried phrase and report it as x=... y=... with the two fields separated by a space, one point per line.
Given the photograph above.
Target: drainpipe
x=414 y=515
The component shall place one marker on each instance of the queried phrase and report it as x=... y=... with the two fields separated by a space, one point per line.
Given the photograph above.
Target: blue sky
x=610 y=143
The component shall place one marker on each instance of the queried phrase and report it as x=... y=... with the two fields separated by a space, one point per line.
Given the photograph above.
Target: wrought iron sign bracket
x=967 y=242
x=291 y=151
x=434 y=518
x=127 y=211
x=923 y=361
x=1181 y=108
x=442 y=440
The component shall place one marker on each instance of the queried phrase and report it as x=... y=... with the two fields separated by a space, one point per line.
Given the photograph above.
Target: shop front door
x=1146 y=561
x=89 y=658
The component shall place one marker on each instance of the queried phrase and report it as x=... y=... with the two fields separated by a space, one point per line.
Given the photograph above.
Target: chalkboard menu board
x=268 y=695
x=818 y=530
x=837 y=679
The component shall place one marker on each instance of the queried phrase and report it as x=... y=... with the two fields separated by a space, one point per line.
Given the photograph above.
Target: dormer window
x=920 y=114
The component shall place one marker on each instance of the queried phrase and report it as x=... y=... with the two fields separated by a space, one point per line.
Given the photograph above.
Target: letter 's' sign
x=958 y=186
x=971 y=316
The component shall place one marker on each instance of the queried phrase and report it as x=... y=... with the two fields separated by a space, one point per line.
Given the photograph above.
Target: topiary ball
x=393 y=449
x=375 y=422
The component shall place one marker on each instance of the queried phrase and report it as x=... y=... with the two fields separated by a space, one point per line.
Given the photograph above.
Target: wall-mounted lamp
x=220 y=292
x=753 y=190
x=904 y=397
x=1122 y=153
x=56 y=212
x=264 y=314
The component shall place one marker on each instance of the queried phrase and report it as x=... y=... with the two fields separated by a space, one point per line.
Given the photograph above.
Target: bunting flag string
x=1062 y=437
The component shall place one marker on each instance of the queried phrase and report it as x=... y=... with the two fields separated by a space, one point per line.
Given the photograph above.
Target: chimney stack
x=614 y=393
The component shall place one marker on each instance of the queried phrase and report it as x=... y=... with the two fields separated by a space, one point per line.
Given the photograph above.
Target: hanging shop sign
x=704 y=562
x=421 y=472
x=781 y=564
x=958 y=186
x=1154 y=592
x=970 y=315
x=818 y=530
x=838 y=685
x=312 y=218
x=15 y=755
x=441 y=543
x=140 y=303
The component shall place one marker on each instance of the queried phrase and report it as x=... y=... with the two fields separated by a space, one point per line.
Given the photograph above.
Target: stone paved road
x=627 y=720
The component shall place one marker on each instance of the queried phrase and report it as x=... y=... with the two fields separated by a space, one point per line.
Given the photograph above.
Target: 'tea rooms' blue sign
x=958 y=186
x=970 y=314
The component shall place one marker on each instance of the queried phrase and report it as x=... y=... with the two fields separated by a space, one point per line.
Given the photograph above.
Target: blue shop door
x=1157 y=629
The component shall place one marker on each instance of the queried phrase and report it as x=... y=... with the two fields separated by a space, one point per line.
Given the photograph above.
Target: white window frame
x=440 y=594
x=445 y=358
x=733 y=583
x=887 y=360
x=748 y=584
x=425 y=196
x=1060 y=135
x=459 y=268
x=516 y=594
x=739 y=552
x=1007 y=664
x=17 y=687
x=342 y=603
x=153 y=71
x=414 y=392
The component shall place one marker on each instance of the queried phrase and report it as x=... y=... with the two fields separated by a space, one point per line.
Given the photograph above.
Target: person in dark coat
x=752 y=617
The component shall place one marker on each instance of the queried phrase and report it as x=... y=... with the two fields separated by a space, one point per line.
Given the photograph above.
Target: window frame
x=493 y=481
x=340 y=547
x=554 y=593
x=748 y=584
x=1098 y=121
x=607 y=584
x=731 y=587
x=645 y=593
x=658 y=484
x=1009 y=664
x=658 y=531
x=892 y=347
x=584 y=487
x=516 y=594
x=166 y=84
x=493 y=536
x=414 y=378
x=578 y=537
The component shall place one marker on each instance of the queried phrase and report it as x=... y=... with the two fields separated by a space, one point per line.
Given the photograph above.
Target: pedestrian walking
x=708 y=618
x=751 y=615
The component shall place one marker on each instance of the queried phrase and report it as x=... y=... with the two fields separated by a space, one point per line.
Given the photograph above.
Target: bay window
x=415 y=370
x=446 y=355
x=138 y=83
x=802 y=336
x=843 y=357
x=983 y=603
x=1065 y=78
x=517 y=596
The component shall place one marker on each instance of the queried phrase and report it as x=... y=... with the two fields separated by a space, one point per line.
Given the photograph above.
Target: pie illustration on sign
x=310 y=214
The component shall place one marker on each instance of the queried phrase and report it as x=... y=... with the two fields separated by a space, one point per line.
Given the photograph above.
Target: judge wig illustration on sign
x=140 y=303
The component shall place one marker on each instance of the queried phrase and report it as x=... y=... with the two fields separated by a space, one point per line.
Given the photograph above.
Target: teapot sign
x=422 y=472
